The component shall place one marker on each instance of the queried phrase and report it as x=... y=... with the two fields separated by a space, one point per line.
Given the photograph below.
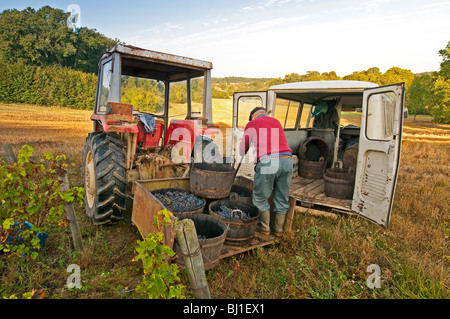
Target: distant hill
x=239 y=79
x=430 y=73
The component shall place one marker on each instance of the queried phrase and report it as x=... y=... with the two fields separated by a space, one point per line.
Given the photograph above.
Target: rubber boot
x=263 y=225
x=278 y=227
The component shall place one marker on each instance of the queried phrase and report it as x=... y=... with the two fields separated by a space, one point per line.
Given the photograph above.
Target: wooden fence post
x=73 y=223
x=9 y=154
x=192 y=256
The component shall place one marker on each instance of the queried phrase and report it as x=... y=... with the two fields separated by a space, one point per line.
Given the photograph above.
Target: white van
x=313 y=109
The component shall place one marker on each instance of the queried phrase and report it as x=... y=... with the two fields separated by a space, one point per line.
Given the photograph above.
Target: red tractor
x=149 y=109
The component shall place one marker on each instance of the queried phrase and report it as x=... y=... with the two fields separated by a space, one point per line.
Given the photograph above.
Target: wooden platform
x=310 y=192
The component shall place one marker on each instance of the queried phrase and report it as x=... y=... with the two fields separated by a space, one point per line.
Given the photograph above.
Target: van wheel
x=104 y=176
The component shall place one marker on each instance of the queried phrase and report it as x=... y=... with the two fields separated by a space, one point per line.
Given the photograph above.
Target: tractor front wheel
x=104 y=176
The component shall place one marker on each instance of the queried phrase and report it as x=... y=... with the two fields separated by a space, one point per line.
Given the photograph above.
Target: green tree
x=330 y=76
x=292 y=77
x=90 y=46
x=36 y=37
x=273 y=82
x=41 y=37
x=370 y=75
x=441 y=109
x=445 y=65
x=397 y=75
x=420 y=95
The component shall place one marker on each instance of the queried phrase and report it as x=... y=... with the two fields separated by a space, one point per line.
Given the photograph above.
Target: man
x=273 y=171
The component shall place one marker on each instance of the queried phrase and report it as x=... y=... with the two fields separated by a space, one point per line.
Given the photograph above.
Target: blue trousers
x=272 y=175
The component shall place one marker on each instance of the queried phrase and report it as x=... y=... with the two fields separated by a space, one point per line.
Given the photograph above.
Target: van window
x=286 y=112
x=246 y=104
x=305 y=121
x=380 y=116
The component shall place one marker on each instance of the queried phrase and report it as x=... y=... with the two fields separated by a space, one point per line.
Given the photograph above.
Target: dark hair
x=255 y=110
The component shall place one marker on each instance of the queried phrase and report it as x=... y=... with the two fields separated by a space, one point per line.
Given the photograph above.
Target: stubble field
x=321 y=258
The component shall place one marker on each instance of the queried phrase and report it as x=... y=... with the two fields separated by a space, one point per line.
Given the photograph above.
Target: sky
x=272 y=38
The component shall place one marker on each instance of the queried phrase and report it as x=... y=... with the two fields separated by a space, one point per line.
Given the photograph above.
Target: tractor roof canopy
x=157 y=65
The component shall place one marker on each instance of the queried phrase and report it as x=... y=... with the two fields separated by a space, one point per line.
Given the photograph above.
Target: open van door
x=379 y=152
x=243 y=104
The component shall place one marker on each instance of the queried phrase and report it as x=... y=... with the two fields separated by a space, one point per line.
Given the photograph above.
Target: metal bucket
x=176 y=211
x=211 y=180
x=240 y=231
x=212 y=231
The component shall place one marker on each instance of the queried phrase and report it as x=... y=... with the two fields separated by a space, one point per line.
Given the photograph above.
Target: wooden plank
x=9 y=154
x=312 y=192
x=290 y=214
x=155 y=184
x=259 y=240
x=300 y=182
x=308 y=187
x=316 y=188
x=314 y=212
x=145 y=208
x=344 y=204
x=193 y=260
x=328 y=202
x=71 y=216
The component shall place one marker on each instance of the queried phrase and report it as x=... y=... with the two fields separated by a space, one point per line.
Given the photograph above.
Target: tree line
x=45 y=62
x=42 y=37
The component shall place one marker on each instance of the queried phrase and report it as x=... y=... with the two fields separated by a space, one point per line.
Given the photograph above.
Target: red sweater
x=267 y=135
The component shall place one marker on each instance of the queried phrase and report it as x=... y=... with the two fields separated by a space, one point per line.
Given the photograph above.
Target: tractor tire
x=104 y=176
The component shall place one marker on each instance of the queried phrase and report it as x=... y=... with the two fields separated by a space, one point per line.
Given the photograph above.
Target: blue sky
x=271 y=38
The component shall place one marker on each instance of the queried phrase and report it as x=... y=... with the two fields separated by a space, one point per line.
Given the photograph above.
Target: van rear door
x=379 y=152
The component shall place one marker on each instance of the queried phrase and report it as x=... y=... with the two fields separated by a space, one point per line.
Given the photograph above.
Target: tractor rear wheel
x=104 y=176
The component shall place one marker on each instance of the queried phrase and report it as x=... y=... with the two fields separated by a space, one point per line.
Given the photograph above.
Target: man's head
x=256 y=112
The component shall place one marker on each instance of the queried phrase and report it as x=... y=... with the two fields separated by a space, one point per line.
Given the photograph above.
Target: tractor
x=149 y=109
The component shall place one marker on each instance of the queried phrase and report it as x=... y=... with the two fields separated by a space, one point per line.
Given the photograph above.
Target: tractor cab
x=152 y=94
x=149 y=109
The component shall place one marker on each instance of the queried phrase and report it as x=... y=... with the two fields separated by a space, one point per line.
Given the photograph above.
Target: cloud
x=164 y=28
x=338 y=37
x=266 y=4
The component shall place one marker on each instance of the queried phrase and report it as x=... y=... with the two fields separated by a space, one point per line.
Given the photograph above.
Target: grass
x=321 y=259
